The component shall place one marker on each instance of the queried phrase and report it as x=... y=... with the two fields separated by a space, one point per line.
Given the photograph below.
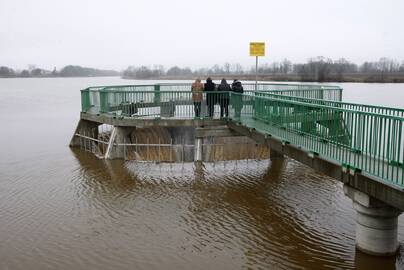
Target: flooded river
x=64 y=209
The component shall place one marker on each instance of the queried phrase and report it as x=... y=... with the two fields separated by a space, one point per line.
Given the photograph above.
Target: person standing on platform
x=197 y=90
x=237 y=88
x=210 y=96
x=224 y=87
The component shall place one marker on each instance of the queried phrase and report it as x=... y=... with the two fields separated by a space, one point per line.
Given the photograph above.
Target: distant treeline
x=67 y=71
x=318 y=69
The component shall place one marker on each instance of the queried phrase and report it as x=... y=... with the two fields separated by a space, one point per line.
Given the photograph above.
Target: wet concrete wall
x=176 y=144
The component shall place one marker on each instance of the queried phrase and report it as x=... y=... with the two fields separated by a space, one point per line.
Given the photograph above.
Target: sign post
x=257 y=49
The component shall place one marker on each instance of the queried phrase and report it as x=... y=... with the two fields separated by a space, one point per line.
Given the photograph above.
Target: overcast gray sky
x=115 y=34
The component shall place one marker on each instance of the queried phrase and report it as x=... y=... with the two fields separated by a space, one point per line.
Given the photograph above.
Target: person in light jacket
x=197 y=92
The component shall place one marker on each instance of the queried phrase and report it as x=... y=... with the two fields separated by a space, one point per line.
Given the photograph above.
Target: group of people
x=217 y=94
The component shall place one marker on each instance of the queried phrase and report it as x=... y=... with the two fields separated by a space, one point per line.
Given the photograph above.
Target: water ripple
x=226 y=215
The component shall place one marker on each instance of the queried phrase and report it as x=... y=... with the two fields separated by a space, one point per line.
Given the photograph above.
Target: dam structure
x=357 y=144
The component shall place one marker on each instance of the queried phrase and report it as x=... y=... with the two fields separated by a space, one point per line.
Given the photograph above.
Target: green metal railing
x=147 y=103
x=100 y=98
x=367 y=141
x=345 y=105
x=360 y=137
x=90 y=99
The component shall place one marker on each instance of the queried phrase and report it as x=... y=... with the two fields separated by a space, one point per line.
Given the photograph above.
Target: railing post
x=104 y=106
x=85 y=100
x=198 y=149
x=156 y=93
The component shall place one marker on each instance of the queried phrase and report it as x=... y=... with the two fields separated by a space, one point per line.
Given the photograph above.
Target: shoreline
x=48 y=77
x=281 y=78
x=261 y=78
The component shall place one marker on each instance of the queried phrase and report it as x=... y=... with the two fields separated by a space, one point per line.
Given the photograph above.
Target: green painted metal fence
x=101 y=98
x=360 y=140
x=345 y=105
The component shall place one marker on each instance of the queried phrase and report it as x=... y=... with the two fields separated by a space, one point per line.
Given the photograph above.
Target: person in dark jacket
x=224 y=97
x=237 y=88
x=210 y=95
x=233 y=84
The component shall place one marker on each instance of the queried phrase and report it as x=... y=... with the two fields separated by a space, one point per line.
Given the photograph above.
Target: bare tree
x=226 y=68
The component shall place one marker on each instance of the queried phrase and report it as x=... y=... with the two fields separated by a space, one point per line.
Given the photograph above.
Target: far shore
x=48 y=77
x=352 y=78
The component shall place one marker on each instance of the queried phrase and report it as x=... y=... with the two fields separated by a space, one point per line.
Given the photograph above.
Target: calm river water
x=64 y=209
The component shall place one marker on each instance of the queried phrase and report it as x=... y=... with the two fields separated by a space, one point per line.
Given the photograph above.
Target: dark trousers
x=224 y=108
x=197 y=108
x=210 y=101
x=211 y=108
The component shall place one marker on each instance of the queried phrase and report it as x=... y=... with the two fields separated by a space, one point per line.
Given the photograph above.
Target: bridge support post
x=86 y=128
x=198 y=149
x=376 y=224
x=119 y=135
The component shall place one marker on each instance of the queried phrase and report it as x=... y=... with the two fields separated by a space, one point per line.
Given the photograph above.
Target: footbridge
x=359 y=145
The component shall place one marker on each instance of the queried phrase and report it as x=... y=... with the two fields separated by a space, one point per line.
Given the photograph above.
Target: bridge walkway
x=375 y=166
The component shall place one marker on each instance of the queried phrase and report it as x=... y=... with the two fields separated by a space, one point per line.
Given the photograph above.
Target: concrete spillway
x=173 y=144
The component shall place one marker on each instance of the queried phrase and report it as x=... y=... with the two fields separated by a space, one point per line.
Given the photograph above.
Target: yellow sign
x=257 y=48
